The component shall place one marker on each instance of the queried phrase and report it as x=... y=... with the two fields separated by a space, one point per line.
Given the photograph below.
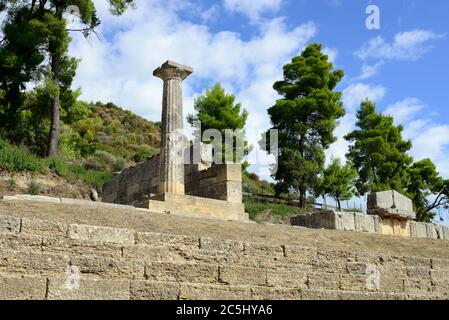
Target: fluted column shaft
x=172 y=136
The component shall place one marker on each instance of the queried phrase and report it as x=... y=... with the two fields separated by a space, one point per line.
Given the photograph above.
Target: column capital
x=172 y=70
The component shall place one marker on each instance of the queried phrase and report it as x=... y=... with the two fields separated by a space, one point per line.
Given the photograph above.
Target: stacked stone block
x=221 y=182
x=133 y=184
x=390 y=204
x=371 y=224
x=338 y=221
x=48 y=260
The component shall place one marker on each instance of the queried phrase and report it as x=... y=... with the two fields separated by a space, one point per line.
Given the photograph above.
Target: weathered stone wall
x=369 y=223
x=221 y=182
x=41 y=259
x=133 y=184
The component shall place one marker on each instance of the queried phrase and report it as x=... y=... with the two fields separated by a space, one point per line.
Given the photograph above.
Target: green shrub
x=18 y=159
x=120 y=164
x=253 y=176
x=143 y=154
x=12 y=184
x=68 y=143
x=255 y=208
x=104 y=157
x=95 y=178
x=34 y=187
x=60 y=166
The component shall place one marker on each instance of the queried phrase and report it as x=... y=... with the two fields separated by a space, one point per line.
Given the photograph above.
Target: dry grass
x=250 y=232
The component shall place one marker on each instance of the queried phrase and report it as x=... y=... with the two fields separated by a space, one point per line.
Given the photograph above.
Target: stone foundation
x=218 y=182
x=47 y=253
x=371 y=224
x=133 y=184
x=221 y=182
x=196 y=206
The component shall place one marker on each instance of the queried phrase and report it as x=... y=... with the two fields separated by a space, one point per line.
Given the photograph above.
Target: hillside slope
x=104 y=139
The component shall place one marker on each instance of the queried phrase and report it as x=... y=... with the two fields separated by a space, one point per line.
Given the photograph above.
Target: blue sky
x=244 y=44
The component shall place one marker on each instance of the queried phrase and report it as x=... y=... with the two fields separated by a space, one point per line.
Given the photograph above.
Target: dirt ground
x=49 y=184
x=249 y=232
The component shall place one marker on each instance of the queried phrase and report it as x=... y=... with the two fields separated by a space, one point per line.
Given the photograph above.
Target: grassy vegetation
x=19 y=159
x=16 y=159
x=75 y=171
x=107 y=139
x=256 y=209
x=253 y=184
x=110 y=130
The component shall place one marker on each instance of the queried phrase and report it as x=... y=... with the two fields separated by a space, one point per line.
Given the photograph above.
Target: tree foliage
x=428 y=190
x=216 y=109
x=338 y=181
x=305 y=117
x=378 y=152
x=35 y=47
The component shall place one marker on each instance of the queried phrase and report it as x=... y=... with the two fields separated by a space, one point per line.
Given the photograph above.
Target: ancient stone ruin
x=389 y=213
x=182 y=179
x=394 y=209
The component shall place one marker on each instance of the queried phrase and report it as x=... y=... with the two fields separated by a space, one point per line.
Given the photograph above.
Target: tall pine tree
x=216 y=109
x=306 y=117
x=48 y=16
x=378 y=152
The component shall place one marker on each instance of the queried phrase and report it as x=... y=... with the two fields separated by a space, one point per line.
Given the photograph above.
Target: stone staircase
x=47 y=251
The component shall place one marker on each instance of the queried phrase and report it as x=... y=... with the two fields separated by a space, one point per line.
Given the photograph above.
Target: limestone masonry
x=389 y=213
x=182 y=179
x=51 y=251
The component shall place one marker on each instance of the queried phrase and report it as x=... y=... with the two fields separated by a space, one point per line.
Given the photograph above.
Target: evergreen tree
x=45 y=19
x=378 y=152
x=305 y=117
x=22 y=52
x=218 y=110
x=338 y=181
x=428 y=190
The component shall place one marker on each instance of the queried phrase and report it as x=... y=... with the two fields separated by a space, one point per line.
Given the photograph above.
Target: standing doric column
x=172 y=135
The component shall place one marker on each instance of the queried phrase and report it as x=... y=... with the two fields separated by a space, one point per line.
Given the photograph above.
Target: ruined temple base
x=333 y=220
x=196 y=207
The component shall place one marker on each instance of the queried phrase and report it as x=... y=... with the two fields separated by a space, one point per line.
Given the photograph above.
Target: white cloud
x=404 y=110
x=369 y=71
x=432 y=141
x=210 y=13
x=2 y=18
x=332 y=53
x=252 y=8
x=339 y=148
x=410 y=45
x=355 y=93
x=414 y=127
x=429 y=139
x=119 y=68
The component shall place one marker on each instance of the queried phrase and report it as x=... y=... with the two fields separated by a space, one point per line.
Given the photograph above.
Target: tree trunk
x=338 y=204
x=302 y=198
x=53 y=140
